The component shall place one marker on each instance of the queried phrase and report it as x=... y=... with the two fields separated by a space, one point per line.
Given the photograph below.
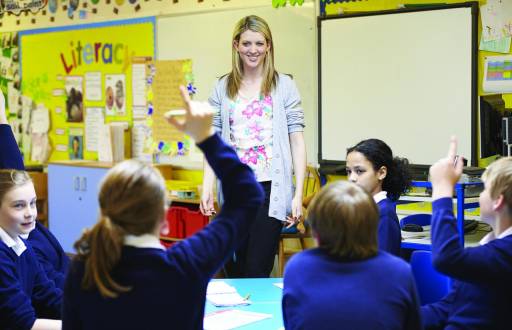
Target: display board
x=405 y=76
x=83 y=76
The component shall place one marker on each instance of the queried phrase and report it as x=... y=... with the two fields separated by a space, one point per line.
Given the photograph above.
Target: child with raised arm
x=481 y=296
x=122 y=277
x=48 y=250
x=371 y=165
x=347 y=283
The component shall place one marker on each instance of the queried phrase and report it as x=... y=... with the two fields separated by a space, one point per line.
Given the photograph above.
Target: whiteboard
x=206 y=39
x=407 y=78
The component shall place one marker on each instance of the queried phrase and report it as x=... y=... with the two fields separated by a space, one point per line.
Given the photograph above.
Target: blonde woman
x=259 y=113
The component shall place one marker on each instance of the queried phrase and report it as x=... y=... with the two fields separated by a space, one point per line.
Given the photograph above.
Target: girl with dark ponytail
x=371 y=165
x=123 y=278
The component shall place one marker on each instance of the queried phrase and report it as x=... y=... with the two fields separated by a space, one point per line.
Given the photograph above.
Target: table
x=265 y=298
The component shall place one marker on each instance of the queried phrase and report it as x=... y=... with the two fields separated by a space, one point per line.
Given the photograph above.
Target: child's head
x=498 y=182
x=344 y=220
x=371 y=164
x=132 y=201
x=18 y=210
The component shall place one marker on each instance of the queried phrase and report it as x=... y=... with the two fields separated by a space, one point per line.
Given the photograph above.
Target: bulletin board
x=83 y=75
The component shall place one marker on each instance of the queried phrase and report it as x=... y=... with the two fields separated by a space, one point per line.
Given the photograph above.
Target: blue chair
x=417 y=219
x=431 y=285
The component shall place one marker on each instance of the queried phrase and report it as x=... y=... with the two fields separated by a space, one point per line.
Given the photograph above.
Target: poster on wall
x=74 y=99
x=115 y=91
x=87 y=67
x=76 y=143
x=498 y=74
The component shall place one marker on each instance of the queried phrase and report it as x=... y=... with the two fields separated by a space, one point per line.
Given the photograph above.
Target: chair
x=40 y=180
x=417 y=219
x=431 y=285
x=301 y=231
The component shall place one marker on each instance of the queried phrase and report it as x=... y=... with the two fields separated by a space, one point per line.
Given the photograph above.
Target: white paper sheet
x=231 y=319
x=94 y=120
x=93 y=86
x=40 y=122
x=227 y=299
x=215 y=287
x=139 y=85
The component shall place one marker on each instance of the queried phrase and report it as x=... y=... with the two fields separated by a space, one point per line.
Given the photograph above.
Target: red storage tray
x=175 y=221
x=193 y=221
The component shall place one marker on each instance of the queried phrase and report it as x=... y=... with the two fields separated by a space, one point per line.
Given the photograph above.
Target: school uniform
x=388 y=233
x=324 y=292
x=46 y=247
x=50 y=254
x=25 y=292
x=10 y=156
x=168 y=287
x=481 y=295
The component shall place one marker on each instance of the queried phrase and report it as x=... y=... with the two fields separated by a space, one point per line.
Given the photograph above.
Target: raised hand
x=445 y=173
x=198 y=118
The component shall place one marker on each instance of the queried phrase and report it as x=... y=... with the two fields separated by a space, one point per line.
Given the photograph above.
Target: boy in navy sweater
x=49 y=252
x=347 y=283
x=481 y=296
x=122 y=277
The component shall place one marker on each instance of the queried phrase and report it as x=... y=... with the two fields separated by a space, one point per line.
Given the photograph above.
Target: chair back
x=431 y=285
x=417 y=219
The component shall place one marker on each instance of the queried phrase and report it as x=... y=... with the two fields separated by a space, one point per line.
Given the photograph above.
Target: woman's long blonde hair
x=132 y=201
x=255 y=24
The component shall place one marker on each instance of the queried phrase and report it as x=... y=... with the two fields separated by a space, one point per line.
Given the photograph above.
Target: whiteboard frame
x=335 y=163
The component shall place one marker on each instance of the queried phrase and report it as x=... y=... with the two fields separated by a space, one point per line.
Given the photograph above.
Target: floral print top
x=250 y=121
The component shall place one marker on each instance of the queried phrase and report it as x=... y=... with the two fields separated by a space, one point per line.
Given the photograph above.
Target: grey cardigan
x=288 y=117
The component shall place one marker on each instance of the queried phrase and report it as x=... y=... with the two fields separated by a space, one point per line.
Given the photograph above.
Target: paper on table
x=216 y=287
x=279 y=285
x=230 y=319
x=227 y=299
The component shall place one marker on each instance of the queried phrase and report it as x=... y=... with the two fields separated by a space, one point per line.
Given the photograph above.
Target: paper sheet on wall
x=501 y=45
x=231 y=319
x=498 y=74
x=496 y=19
x=104 y=144
x=94 y=120
x=40 y=122
x=166 y=96
x=13 y=96
x=40 y=147
x=93 y=86
x=139 y=85
x=141 y=132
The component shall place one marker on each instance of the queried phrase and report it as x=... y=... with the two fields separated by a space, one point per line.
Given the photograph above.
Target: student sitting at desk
x=347 y=283
x=481 y=295
x=27 y=297
x=48 y=250
x=371 y=165
x=123 y=278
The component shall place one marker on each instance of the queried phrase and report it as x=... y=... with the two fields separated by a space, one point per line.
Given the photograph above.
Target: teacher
x=259 y=112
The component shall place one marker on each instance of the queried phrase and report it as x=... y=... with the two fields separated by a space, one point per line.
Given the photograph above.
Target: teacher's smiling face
x=252 y=49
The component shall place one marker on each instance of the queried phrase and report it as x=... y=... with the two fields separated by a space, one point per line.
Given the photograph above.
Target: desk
x=265 y=298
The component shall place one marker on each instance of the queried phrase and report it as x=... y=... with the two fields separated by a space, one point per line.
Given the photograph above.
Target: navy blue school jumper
x=322 y=292
x=25 y=292
x=169 y=286
x=389 y=235
x=50 y=254
x=10 y=156
x=48 y=250
x=481 y=296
